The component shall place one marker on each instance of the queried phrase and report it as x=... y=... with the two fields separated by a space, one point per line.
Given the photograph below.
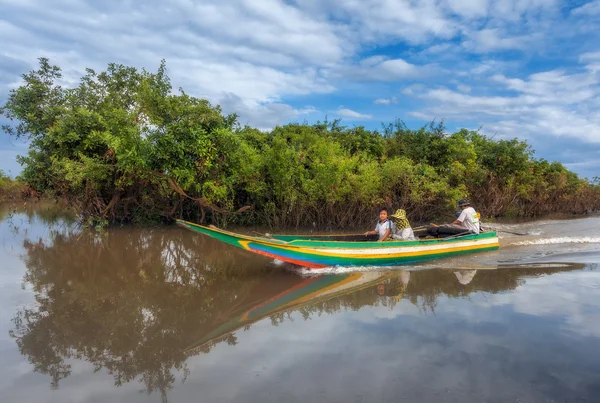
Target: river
x=161 y=314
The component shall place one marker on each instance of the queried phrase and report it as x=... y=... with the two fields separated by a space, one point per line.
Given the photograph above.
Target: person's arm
x=461 y=218
x=386 y=235
x=373 y=232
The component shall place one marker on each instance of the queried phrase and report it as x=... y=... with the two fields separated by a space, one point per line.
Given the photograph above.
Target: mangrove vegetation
x=122 y=146
x=11 y=189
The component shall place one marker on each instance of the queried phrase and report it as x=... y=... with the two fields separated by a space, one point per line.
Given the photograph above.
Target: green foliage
x=122 y=147
x=11 y=189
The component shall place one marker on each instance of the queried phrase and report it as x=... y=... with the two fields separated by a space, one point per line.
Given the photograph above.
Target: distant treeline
x=10 y=189
x=121 y=147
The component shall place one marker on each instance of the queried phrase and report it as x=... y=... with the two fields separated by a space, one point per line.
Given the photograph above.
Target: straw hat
x=400 y=219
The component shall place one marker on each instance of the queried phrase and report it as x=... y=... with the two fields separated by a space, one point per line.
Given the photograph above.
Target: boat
x=312 y=251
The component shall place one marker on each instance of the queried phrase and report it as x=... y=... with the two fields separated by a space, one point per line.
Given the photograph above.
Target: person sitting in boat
x=401 y=229
x=384 y=226
x=458 y=213
x=394 y=287
x=467 y=220
x=465 y=276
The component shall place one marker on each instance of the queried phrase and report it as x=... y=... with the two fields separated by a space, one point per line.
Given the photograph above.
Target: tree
x=123 y=147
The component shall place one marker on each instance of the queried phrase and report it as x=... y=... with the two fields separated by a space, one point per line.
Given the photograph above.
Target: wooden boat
x=318 y=251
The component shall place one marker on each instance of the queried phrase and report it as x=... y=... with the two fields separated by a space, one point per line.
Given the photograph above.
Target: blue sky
x=517 y=68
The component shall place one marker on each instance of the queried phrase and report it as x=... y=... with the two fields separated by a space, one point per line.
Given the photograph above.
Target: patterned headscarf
x=400 y=219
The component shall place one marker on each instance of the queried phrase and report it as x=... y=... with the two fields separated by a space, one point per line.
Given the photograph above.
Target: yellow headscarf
x=400 y=219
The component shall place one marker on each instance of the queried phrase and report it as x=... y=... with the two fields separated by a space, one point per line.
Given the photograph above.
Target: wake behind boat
x=350 y=250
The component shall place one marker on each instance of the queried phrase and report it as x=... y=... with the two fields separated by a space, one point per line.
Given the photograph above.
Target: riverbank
x=50 y=209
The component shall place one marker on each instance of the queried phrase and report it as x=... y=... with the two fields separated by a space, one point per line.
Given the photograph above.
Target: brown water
x=162 y=314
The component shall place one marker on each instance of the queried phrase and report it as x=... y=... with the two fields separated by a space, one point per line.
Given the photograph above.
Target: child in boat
x=401 y=227
x=394 y=287
x=384 y=226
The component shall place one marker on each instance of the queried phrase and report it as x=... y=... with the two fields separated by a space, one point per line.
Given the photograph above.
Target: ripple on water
x=558 y=241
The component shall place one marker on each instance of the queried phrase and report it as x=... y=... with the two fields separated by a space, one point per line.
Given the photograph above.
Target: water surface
x=163 y=314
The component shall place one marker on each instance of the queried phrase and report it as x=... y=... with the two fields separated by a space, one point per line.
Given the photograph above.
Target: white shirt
x=381 y=228
x=404 y=234
x=469 y=220
x=465 y=276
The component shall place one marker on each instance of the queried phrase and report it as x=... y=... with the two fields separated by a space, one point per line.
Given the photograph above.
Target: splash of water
x=559 y=240
x=340 y=270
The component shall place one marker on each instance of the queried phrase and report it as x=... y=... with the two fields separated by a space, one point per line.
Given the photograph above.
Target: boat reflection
x=304 y=292
x=138 y=303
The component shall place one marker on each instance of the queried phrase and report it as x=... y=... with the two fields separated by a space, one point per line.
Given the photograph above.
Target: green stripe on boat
x=318 y=253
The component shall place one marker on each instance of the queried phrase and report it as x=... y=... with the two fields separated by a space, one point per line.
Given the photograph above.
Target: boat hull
x=318 y=254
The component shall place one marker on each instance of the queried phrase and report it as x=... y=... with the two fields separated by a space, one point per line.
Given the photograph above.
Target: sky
x=512 y=68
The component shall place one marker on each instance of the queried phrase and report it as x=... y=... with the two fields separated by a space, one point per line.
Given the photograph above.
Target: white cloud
x=555 y=86
x=469 y=8
x=384 y=21
x=467 y=101
x=572 y=297
x=583 y=164
x=248 y=81
x=589 y=57
x=438 y=50
x=274 y=51
x=419 y=22
x=382 y=68
x=386 y=101
x=349 y=113
x=592 y=8
x=592 y=59
x=269 y=24
x=494 y=39
x=510 y=25
x=514 y=9
x=488 y=66
x=552 y=103
x=265 y=116
x=413 y=89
